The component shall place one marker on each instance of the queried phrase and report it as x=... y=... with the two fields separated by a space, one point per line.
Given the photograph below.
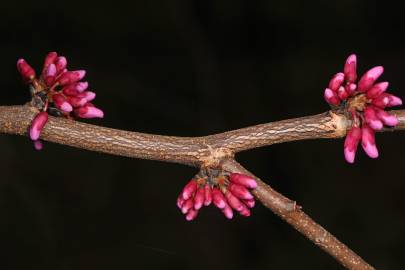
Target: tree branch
x=214 y=150
x=193 y=151
x=292 y=214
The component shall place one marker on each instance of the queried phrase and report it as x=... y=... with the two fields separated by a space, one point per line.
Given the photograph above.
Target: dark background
x=193 y=68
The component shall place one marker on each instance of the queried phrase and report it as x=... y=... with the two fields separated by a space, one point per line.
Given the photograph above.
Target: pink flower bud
x=38 y=145
x=342 y=93
x=191 y=215
x=394 y=101
x=70 y=90
x=371 y=118
x=75 y=88
x=244 y=180
x=387 y=100
x=207 y=195
x=37 y=125
x=61 y=103
x=368 y=141
x=234 y=202
x=199 y=198
x=377 y=89
x=350 y=68
x=180 y=201
x=71 y=77
x=76 y=101
x=351 y=88
x=60 y=64
x=50 y=59
x=381 y=101
x=89 y=111
x=227 y=211
x=240 y=191
x=249 y=203
x=369 y=78
x=336 y=81
x=87 y=95
x=189 y=189
x=218 y=199
x=352 y=140
x=388 y=119
x=245 y=212
x=49 y=74
x=81 y=86
x=26 y=71
x=187 y=205
x=331 y=97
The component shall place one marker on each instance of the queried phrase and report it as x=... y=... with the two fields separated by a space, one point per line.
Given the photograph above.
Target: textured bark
x=292 y=214
x=401 y=117
x=17 y=119
x=186 y=150
x=325 y=125
x=214 y=150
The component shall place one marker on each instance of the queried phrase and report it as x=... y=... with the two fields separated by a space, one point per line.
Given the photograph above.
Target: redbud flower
x=353 y=138
x=331 y=97
x=89 y=111
x=75 y=88
x=243 y=180
x=250 y=203
x=227 y=211
x=70 y=77
x=27 y=72
x=207 y=195
x=365 y=101
x=368 y=141
x=58 y=92
x=218 y=199
x=228 y=192
x=61 y=64
x=192 y=214
x=37 y=124
x=38 y=145
x=49 y=74
x=61 y=102
x=199 y=198
x=50 y=59
x=233 y=201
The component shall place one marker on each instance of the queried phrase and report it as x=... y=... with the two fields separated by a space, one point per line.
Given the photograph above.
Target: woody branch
x=215 y=150
x=358 y=111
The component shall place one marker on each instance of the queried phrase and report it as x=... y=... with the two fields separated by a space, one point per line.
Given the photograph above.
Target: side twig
x=293 y=215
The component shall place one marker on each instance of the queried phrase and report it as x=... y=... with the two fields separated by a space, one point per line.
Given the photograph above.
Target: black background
x=193 y=68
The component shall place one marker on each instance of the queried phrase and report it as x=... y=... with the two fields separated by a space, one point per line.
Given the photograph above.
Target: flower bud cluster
x=57 y=91
x=365 y=102
x=228 y=192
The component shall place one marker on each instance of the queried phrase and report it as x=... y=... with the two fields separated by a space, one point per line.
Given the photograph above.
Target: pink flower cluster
x=58 y=91
x=227 y=193
x=365 y=101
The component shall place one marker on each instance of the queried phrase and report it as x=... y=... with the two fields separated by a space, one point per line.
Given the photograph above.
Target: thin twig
x=291 y=213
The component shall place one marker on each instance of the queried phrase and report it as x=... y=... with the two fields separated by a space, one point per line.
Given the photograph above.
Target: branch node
x=215 y=157
x=340 y=123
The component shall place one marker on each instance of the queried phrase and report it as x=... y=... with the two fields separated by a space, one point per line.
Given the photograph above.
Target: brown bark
x=292 y=214
x=185 y=150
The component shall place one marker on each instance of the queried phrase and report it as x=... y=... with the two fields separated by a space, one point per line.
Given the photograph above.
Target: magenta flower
x=58 y=92
x=227 y=192
x=365 y=101
x=37 y=124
